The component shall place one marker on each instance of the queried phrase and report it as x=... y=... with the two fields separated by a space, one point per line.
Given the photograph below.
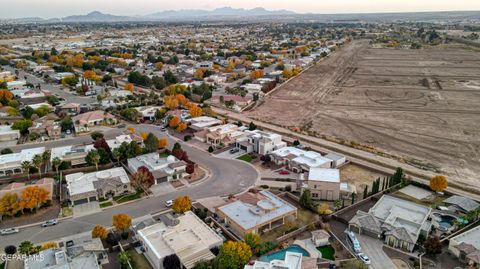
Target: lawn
x=139 y=260
x=106 y=204
x=128 y=197
x=246 y=158
x=328 y=252
x=164 y=155
x=67 y=211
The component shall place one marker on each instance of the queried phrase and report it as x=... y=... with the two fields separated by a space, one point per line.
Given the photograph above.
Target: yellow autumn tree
x=170 y=102
x=181 y=99
x=143 y=135
x=195 y=111
x=181 y=127
x=9 y=204
x=131 y=129
x=256 y=74
x=182 y=204
x=234 y=254
x=121 y=222
x=33 y=197
x=89 y=74
x=159 y=66
x=438 y=183
x=99 y=232
x=129 y=87
x=162 y=143
x=199 y=73
x=48 y=245
x=174 y=122
x=287 y=73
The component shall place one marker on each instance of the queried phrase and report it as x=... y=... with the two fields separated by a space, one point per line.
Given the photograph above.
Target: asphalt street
x=227 y=176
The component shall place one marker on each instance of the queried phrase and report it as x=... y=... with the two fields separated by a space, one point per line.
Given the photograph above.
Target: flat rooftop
x=471 y=237
x=324 y=175
x=248 y=215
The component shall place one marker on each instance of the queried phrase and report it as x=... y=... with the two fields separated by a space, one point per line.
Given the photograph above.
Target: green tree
x=116 y=154
x=22 y=126
x=306 y=199
x=252 y=126
x=354 y=264
x=365 y=192
x=253 y=241
x=66 y=123
x=28 y=112
x=26 y=166
x=37 y=161
x=234 y=255
x=28 y=248
x=296 y=143
x=6 y=151
x=125 y=259
x=151 y=143
x=56 y=162
x=93 y=158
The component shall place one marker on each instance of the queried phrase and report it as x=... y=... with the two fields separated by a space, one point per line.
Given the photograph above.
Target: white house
x=163 y=169
x=299 y=160
x=260 y=142
x=293 y=260
x=187 y=236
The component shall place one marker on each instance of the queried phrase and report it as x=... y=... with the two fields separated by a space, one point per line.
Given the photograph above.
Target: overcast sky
x=61 y=8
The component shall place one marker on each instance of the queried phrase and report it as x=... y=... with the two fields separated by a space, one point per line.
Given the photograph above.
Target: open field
x=421 y=106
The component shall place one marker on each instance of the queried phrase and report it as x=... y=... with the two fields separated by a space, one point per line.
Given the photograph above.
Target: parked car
x=49 y=223
x=169 y=203
x=364 y=258
x=68 y=132
x=8 y=231
x=284 y=172
x=234 y=150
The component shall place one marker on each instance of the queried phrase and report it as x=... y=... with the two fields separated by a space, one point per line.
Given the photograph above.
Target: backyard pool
x=280 y=255
x=444 y=221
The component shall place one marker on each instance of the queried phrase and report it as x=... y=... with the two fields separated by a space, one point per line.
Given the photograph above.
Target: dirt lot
x=419 y=105
x=358 y=176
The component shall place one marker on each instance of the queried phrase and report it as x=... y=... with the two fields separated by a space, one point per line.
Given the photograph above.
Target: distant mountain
x=219 y=12
x=96 y=16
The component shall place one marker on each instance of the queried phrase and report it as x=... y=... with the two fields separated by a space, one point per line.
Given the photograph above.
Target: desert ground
x=422 y=106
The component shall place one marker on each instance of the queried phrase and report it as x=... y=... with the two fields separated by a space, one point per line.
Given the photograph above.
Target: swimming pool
x=445 y=221
x=280 y=255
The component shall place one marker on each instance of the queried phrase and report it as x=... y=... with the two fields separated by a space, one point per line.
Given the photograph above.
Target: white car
x=364 y=258
x=49 y=223
x=8 y=231
x=169 y=203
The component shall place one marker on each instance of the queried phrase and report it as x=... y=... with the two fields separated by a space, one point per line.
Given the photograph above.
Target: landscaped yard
x=328 y=252
x=106 y=204
x=432 y=201
x=67 y=211
x=246 y=158
x=128 y=197
x=164 y=155
x=139 y=260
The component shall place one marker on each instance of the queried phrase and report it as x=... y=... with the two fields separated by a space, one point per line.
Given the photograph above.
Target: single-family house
x=18 y=187
x=163 y=168
x=83 y=121
x=260 y=142
x=256 y=213
x=187 y=236
x=466 y=247
x=299 y=160
x=11 y=164
x=399 y=222
x=90 y=187
x=323 y=183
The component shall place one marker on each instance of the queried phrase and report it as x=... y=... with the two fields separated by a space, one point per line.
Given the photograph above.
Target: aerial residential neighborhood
x=295 y=135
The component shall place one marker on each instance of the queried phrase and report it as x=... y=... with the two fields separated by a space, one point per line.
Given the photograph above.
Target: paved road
x=227 y=177
x=373 y=248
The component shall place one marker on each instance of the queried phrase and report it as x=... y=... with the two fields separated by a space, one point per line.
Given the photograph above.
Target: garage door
x=161 y=180
x=81 y=201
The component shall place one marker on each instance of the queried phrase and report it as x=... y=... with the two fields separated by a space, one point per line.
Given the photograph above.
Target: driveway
x=228 y=155
x=227 y=177
x=162 y=189
x=374 y=250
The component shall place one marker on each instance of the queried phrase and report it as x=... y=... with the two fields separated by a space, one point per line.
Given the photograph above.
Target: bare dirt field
x=420 y=105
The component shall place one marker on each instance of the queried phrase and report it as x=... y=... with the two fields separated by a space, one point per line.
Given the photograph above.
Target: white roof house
x=293 y=260
x=324 y=175
x=202 y=122
x=191 y=240
x=260 y=142
x=166 y=166
x=8 y=134
x=57 y=259
x=302 y=158
x=79 y=183
x=12 y=163
x=468 y=244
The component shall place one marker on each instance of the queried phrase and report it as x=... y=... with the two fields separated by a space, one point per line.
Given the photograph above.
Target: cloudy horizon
x=61 y=8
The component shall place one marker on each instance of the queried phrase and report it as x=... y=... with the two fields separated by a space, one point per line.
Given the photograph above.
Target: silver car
x=49 y=223
x=8 y=231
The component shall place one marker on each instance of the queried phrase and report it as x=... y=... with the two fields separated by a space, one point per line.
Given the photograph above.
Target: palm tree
x=95 y=157
x=116 y=154
x=46 y=157
x=26 y=165
x=37 y=162
x=56 y=162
